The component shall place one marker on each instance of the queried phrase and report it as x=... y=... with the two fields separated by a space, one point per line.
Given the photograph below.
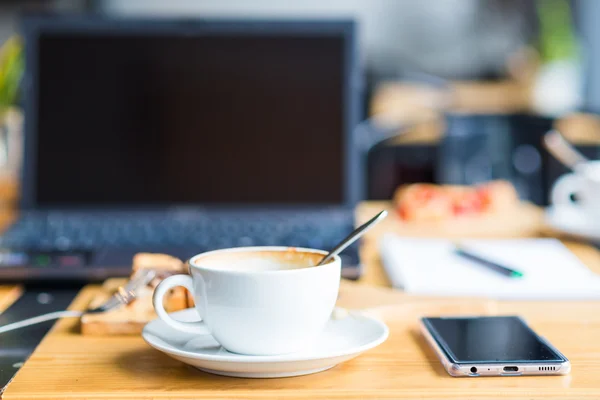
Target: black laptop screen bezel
x=35 y=26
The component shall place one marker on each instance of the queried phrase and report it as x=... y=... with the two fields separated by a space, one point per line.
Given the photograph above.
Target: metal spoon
x=358 y=232
x=564 y=151
x=123 y=296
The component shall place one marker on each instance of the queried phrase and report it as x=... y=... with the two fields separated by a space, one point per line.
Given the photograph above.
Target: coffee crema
x=259 y=260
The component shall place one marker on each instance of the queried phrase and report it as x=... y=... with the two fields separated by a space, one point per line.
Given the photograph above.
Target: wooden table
x=68 y=365
x=8 y=294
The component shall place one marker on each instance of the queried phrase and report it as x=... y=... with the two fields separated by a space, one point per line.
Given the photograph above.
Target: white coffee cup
x=257 y=300
x=584 y=183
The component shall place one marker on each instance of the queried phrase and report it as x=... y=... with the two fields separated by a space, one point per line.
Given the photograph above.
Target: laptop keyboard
x=204 y=231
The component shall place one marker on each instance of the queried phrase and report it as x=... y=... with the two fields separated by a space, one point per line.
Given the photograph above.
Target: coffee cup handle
x=564 y=188
x=163 y=288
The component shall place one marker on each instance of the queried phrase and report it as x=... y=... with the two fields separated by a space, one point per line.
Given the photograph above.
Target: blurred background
x=456 y=92
x=436 y=75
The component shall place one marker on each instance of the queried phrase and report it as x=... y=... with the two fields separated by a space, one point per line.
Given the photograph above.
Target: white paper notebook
x=430 y=267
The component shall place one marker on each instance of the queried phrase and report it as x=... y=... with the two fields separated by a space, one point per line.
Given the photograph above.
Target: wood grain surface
x=68 y=365
x=8 y=294
x=8 y=194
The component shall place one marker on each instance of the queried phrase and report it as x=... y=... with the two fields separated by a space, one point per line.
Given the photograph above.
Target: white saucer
x=573 y=221
x=342 y=340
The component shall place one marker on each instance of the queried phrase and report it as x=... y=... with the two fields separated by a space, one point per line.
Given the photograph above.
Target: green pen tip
x=517 y=274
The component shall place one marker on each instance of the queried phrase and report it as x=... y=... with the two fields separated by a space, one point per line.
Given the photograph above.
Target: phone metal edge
x=496 y=369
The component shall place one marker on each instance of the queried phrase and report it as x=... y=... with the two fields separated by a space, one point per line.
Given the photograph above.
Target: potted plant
x=11 y=120
x=558 y=87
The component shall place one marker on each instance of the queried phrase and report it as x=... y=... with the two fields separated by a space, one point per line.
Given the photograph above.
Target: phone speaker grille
x=547 y=368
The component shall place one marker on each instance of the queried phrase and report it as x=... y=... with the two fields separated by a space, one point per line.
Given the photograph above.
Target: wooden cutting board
x=525 y=220
x=129 y=320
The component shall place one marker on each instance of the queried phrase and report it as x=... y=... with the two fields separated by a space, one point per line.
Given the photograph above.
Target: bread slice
x=423 y=202
x=159 y=262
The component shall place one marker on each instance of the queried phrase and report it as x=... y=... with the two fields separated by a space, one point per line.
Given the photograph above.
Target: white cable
x=39 y=319
x=141 y=277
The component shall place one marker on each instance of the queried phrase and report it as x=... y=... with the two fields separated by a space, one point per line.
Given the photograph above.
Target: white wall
x=11 y=11
x=442 y=36
x=589 y=10
x=8 y=22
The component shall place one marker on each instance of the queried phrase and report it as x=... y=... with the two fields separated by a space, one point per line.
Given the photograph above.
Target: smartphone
x=492 y=346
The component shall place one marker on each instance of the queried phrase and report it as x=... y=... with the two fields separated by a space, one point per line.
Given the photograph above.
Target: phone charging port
x=511 y=369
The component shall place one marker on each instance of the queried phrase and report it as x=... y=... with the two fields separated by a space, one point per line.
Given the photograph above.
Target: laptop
x=182 y=136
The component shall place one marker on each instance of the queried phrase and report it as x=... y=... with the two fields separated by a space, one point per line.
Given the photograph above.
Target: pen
x=508 y=272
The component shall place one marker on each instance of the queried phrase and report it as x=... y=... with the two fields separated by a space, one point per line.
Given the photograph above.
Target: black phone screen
x=489 y=339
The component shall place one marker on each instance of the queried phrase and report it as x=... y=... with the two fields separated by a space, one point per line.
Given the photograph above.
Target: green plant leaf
x=557 y=39
x=11 y=71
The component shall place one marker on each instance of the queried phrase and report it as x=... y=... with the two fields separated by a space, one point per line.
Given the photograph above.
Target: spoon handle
x=351 y=238
x=563 y=150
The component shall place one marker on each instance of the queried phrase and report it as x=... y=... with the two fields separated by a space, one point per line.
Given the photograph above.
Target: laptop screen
x=160 y=119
